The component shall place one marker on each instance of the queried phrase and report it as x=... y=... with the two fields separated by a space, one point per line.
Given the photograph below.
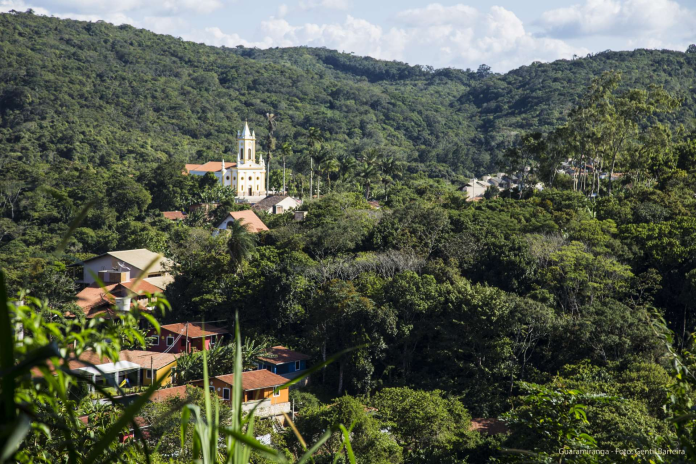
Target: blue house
x=284 y=361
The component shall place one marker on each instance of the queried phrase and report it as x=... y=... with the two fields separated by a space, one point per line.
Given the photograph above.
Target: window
x=228 y=177
x=257 y=178
x=157 y=342
x=250 y=153
x=170 y=340
x=212 y=388
x=225 y=393
x=241 y=152
x=249 y=177
x=297 y=365
x=148 y=374
x=276 y=393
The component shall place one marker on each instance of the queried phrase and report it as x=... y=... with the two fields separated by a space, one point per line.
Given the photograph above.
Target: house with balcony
x=187 y=336
x=127 y=277
x=285 y=362
x=258 y=392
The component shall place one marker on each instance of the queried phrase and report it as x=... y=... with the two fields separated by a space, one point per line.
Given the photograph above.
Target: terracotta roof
x=195 y=329
x=249 y=220
x=210 y=166
x=142 y=358
x=255 y=380
x=93 y=298
x=163 y=394
x=269 y=201
x=284 y=355
x=174 y=215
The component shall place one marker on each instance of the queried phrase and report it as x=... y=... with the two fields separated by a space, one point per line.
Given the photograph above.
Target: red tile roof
x=284 y=355
x=195 y=329
x=249 y=220
x=93 y=299
x=164 y=394
x=210 y=166
x=174 y=215
x=255 y=380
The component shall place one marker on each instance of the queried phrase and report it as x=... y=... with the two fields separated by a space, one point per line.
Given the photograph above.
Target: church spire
x=246 y=133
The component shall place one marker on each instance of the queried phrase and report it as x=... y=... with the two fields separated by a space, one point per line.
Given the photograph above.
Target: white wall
x=105 y=263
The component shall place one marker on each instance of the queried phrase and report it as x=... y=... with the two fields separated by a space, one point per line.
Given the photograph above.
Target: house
x=475 y=189
x=249 y=220
x=246 y=177
x=131 y=262
x=133 y=366
x=284 y=361
x=300 y=216
x=174 y=215
x=180 y=337
x=258 y=391
x=95 y=300
x=277 y=204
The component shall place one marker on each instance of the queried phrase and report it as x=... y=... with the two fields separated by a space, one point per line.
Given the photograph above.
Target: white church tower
x=248 y=176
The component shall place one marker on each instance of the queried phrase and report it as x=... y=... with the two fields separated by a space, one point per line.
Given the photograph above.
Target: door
x=249 y=191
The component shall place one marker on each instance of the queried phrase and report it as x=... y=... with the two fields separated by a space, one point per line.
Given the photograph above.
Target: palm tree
x=270 y=142
x=240 y=244
x=314 y=140
x=367 y=175
x=328 y=166
x=391 y=170
x=287 y=151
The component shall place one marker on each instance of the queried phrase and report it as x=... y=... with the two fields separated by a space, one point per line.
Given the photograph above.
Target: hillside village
x=289 y=255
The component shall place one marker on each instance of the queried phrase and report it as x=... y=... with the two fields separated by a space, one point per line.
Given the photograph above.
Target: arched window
x=250 y=153
x=241 y=152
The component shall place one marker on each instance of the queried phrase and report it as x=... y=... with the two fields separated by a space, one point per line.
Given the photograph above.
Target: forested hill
x=107 y=95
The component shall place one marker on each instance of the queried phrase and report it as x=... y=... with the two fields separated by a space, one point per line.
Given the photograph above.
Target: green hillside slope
x=109 y=95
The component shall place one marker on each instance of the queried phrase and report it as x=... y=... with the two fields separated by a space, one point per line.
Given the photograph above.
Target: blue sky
x=504 y=34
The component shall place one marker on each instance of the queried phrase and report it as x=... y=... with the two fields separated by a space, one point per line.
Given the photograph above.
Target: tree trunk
x=323 y=358
x=284 y=190
x=340 y=379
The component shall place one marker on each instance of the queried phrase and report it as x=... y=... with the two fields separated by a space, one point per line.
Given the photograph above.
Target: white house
x=277 y=204
x=134 y=260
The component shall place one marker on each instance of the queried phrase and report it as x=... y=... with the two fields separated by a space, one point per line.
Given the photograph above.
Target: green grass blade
x=19 y=429
x=317 y=367
x=6 y=355
x=126 y=418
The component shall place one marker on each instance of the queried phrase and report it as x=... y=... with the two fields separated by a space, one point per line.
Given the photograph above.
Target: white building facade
x=246 y=177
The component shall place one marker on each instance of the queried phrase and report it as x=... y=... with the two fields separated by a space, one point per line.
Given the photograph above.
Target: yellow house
x=152 y=365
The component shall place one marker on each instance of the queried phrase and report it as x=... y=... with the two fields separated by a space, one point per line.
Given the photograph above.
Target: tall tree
x=240 y=244
x=270 y=145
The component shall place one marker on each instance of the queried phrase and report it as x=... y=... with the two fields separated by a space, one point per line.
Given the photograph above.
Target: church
x=246 y=177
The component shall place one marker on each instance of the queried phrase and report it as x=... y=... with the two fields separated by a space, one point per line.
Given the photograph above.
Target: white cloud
x=19 y=5
x=329 y=4
x=627 y=18
x=457 y=36
x=439 y=15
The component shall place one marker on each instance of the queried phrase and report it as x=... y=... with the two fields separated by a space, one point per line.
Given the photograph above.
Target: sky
x=503 y=34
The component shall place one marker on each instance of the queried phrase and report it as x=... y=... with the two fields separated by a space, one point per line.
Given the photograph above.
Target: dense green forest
x=565 y=312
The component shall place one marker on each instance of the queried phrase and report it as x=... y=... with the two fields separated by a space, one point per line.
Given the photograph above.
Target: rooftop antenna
x=122 y=266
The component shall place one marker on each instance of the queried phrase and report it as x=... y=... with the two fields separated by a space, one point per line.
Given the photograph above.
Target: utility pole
x=284 y=190
x=187 y=342
x=311 y=177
